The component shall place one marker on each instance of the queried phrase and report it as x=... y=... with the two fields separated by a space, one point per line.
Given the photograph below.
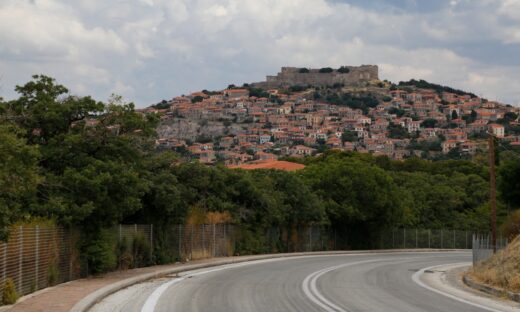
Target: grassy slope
x=503 y=269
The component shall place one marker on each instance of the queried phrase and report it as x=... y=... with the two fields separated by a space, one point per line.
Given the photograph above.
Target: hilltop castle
x=294 y=76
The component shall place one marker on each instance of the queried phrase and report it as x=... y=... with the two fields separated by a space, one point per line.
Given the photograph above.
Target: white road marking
x=151 y=302
x=153 y=299
x=416 y=277
x=311 y=290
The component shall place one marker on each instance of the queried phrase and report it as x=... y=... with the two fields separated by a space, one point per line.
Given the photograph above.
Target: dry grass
x=503 y=269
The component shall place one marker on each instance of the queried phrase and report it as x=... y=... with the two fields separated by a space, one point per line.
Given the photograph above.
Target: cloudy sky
x=148 y=50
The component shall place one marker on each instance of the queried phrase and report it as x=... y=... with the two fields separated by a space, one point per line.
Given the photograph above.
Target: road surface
x=363 y=282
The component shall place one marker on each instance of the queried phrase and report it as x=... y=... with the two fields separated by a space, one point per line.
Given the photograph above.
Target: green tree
x=326 y=70
x=429 y=123
x=397 y=132
x=197 y=99
x=509 y=182
x=345 y=185
x=349 y=136
x=19 y=175
x=344 y=70
x=46 y=109
x=454 y=115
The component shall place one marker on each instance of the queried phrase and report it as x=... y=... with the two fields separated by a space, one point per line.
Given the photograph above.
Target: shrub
x=511 y=227
x=326 y=70
x=53 y=275
x=197 y=99
x=126 y=259
x=303 y=70
x=9 y=295
x=142 y=250
x=99 y=251
x=344 y=70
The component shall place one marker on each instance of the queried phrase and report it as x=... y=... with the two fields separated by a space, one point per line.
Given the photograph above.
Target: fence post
x=214 y=240
x=454 y=246
x=37 y=256
x=429 y=238
x=335 y=247
x=70 y=249
x=20 y=262
x=225 y=239
x=119 y=241
x=191 y=243
x=203 y=243
x=416 y=241
x=404 y=238
x=151 y=242
x=310 y=238
x=393 y=238
x=180 y=238
x=5 y=261
x=466 y=236
x=442 y=240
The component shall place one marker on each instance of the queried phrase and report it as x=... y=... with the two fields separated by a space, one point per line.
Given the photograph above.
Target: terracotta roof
x=271 y=164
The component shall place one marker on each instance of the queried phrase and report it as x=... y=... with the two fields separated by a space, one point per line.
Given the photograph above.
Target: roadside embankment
x=500 y=275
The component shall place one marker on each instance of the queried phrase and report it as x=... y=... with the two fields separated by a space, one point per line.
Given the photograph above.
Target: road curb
x=495 y=291
x=92 y=299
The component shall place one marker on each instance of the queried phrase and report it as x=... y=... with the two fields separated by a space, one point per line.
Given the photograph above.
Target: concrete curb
x=92 y=299
x=495 y=291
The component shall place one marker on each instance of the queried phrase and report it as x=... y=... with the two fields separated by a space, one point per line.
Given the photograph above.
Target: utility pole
x=492 y=193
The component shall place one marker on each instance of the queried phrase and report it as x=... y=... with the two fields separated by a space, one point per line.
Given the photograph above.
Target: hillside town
x=240 y=125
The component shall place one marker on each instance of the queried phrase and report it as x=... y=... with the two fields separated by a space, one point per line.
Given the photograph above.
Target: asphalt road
x=364 y=282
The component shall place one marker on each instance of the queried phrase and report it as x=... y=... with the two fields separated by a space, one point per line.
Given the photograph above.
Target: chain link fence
x=482 y=247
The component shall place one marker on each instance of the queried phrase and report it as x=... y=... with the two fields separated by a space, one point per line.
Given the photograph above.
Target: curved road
x=362 y=282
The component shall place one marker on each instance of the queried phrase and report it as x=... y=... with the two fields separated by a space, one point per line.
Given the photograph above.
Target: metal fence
x=425 y=238
x=135 y=243
x=36 y=257
x=190 y=242
x=482 y=247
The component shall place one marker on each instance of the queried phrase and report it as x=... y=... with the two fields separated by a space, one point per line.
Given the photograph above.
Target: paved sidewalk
x=63 y=297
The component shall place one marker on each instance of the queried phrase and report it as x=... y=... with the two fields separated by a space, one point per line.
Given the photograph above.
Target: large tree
x=19 y=175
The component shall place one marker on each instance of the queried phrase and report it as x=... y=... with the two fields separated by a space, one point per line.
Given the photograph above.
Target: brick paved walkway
x=63 y=297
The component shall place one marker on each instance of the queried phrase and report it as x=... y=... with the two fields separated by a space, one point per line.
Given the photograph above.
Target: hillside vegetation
x=503 y=269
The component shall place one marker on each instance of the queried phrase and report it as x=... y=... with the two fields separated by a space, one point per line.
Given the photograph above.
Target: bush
x=303 y=70
x=344 y=70
x=53 y=275
x=142 y=250
x=326 y=70
x=126 y=259
x=511 y=227
x=9 y=296
x=99 y=251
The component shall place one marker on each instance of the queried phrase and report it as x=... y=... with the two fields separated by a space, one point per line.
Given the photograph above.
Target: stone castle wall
x=290 y=76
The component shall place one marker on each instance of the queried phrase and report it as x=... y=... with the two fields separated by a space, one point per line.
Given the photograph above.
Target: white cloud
x=510 y=8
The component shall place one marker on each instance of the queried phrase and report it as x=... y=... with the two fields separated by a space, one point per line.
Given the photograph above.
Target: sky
x=149 y=50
